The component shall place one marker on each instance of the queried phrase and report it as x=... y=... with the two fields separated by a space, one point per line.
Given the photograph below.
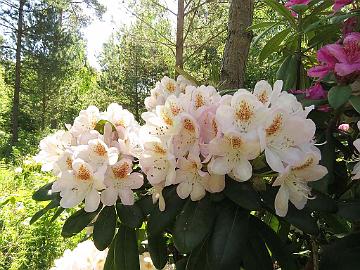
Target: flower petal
x=281 y=201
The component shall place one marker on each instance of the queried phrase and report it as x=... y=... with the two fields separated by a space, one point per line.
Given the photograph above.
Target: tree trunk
x=237 y=44
x=16 y=98
x=180 y=34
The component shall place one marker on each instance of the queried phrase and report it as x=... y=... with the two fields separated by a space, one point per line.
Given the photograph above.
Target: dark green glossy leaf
x=44 y=193
x=158 y=250
x=287 y=72
x=193 y=224
x=229 y=238
x=110 y=262
x=57 y=214
x=339 y=95
x=51 y=205
x=322 y=203
x=198 y=258
x=336 y=224
x=126 y=255
x=130 y=215
x=243 y=194
x=276 y=246
x=77 y=222
x=273 y=44
x=349 y=210
x=355 y=102
x=181 y=264
x=256 y=255
x=279 y=8
x=146 y=204
x=158 y=220
x=342 y=254
x=104 y=227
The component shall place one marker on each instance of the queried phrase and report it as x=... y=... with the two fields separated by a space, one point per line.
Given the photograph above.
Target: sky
x=99 y=31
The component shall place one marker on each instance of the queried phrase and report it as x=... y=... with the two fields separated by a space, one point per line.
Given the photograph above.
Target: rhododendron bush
x=231 y=179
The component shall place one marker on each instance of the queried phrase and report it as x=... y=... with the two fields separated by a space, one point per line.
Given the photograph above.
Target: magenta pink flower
x=316 y=92
x=291 y=3
x=343 y=60
x=339 y=4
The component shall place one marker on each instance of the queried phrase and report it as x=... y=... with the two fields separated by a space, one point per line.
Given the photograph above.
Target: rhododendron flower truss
x=88 y=159
x=197 y=137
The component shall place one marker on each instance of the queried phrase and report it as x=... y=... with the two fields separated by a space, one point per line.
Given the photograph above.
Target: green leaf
x=57 y=214
x=77 y=222
x=101 y=124
x=110 y=262
x=262 y=25
x=336 y=224
x=146 y=204
x=126 y=254
x=158 y=250
x=158 y=220
x=262 y=34
x=51 y=205
x=299 y=8
x=275 y=245
x=355 y=102
x=44 y=193
x=282 y=10
x=322 y=203
x=193 y=224
x=339 y=95
x=181 y=264
x=287 y=72
x=273 y=44
x=198 y=258
x=349 y=210
x=229 y=238
x=256 y=255
x=342 y=254
x=130 y=215
x=104 y=227
x=242 y=194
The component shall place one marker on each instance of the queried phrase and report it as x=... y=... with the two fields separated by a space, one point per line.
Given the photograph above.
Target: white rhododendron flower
x=86 y=121
x=51 y=148
x=82 y=182
x=293 y=183
x=86 y=161
x=231 y=154
x=119 y=181
x=265 y=93
x=158 y=163
x=280 y=137
x=84 y=257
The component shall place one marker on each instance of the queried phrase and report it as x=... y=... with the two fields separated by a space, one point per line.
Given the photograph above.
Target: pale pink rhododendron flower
x=293 y=183
x=198 y=137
